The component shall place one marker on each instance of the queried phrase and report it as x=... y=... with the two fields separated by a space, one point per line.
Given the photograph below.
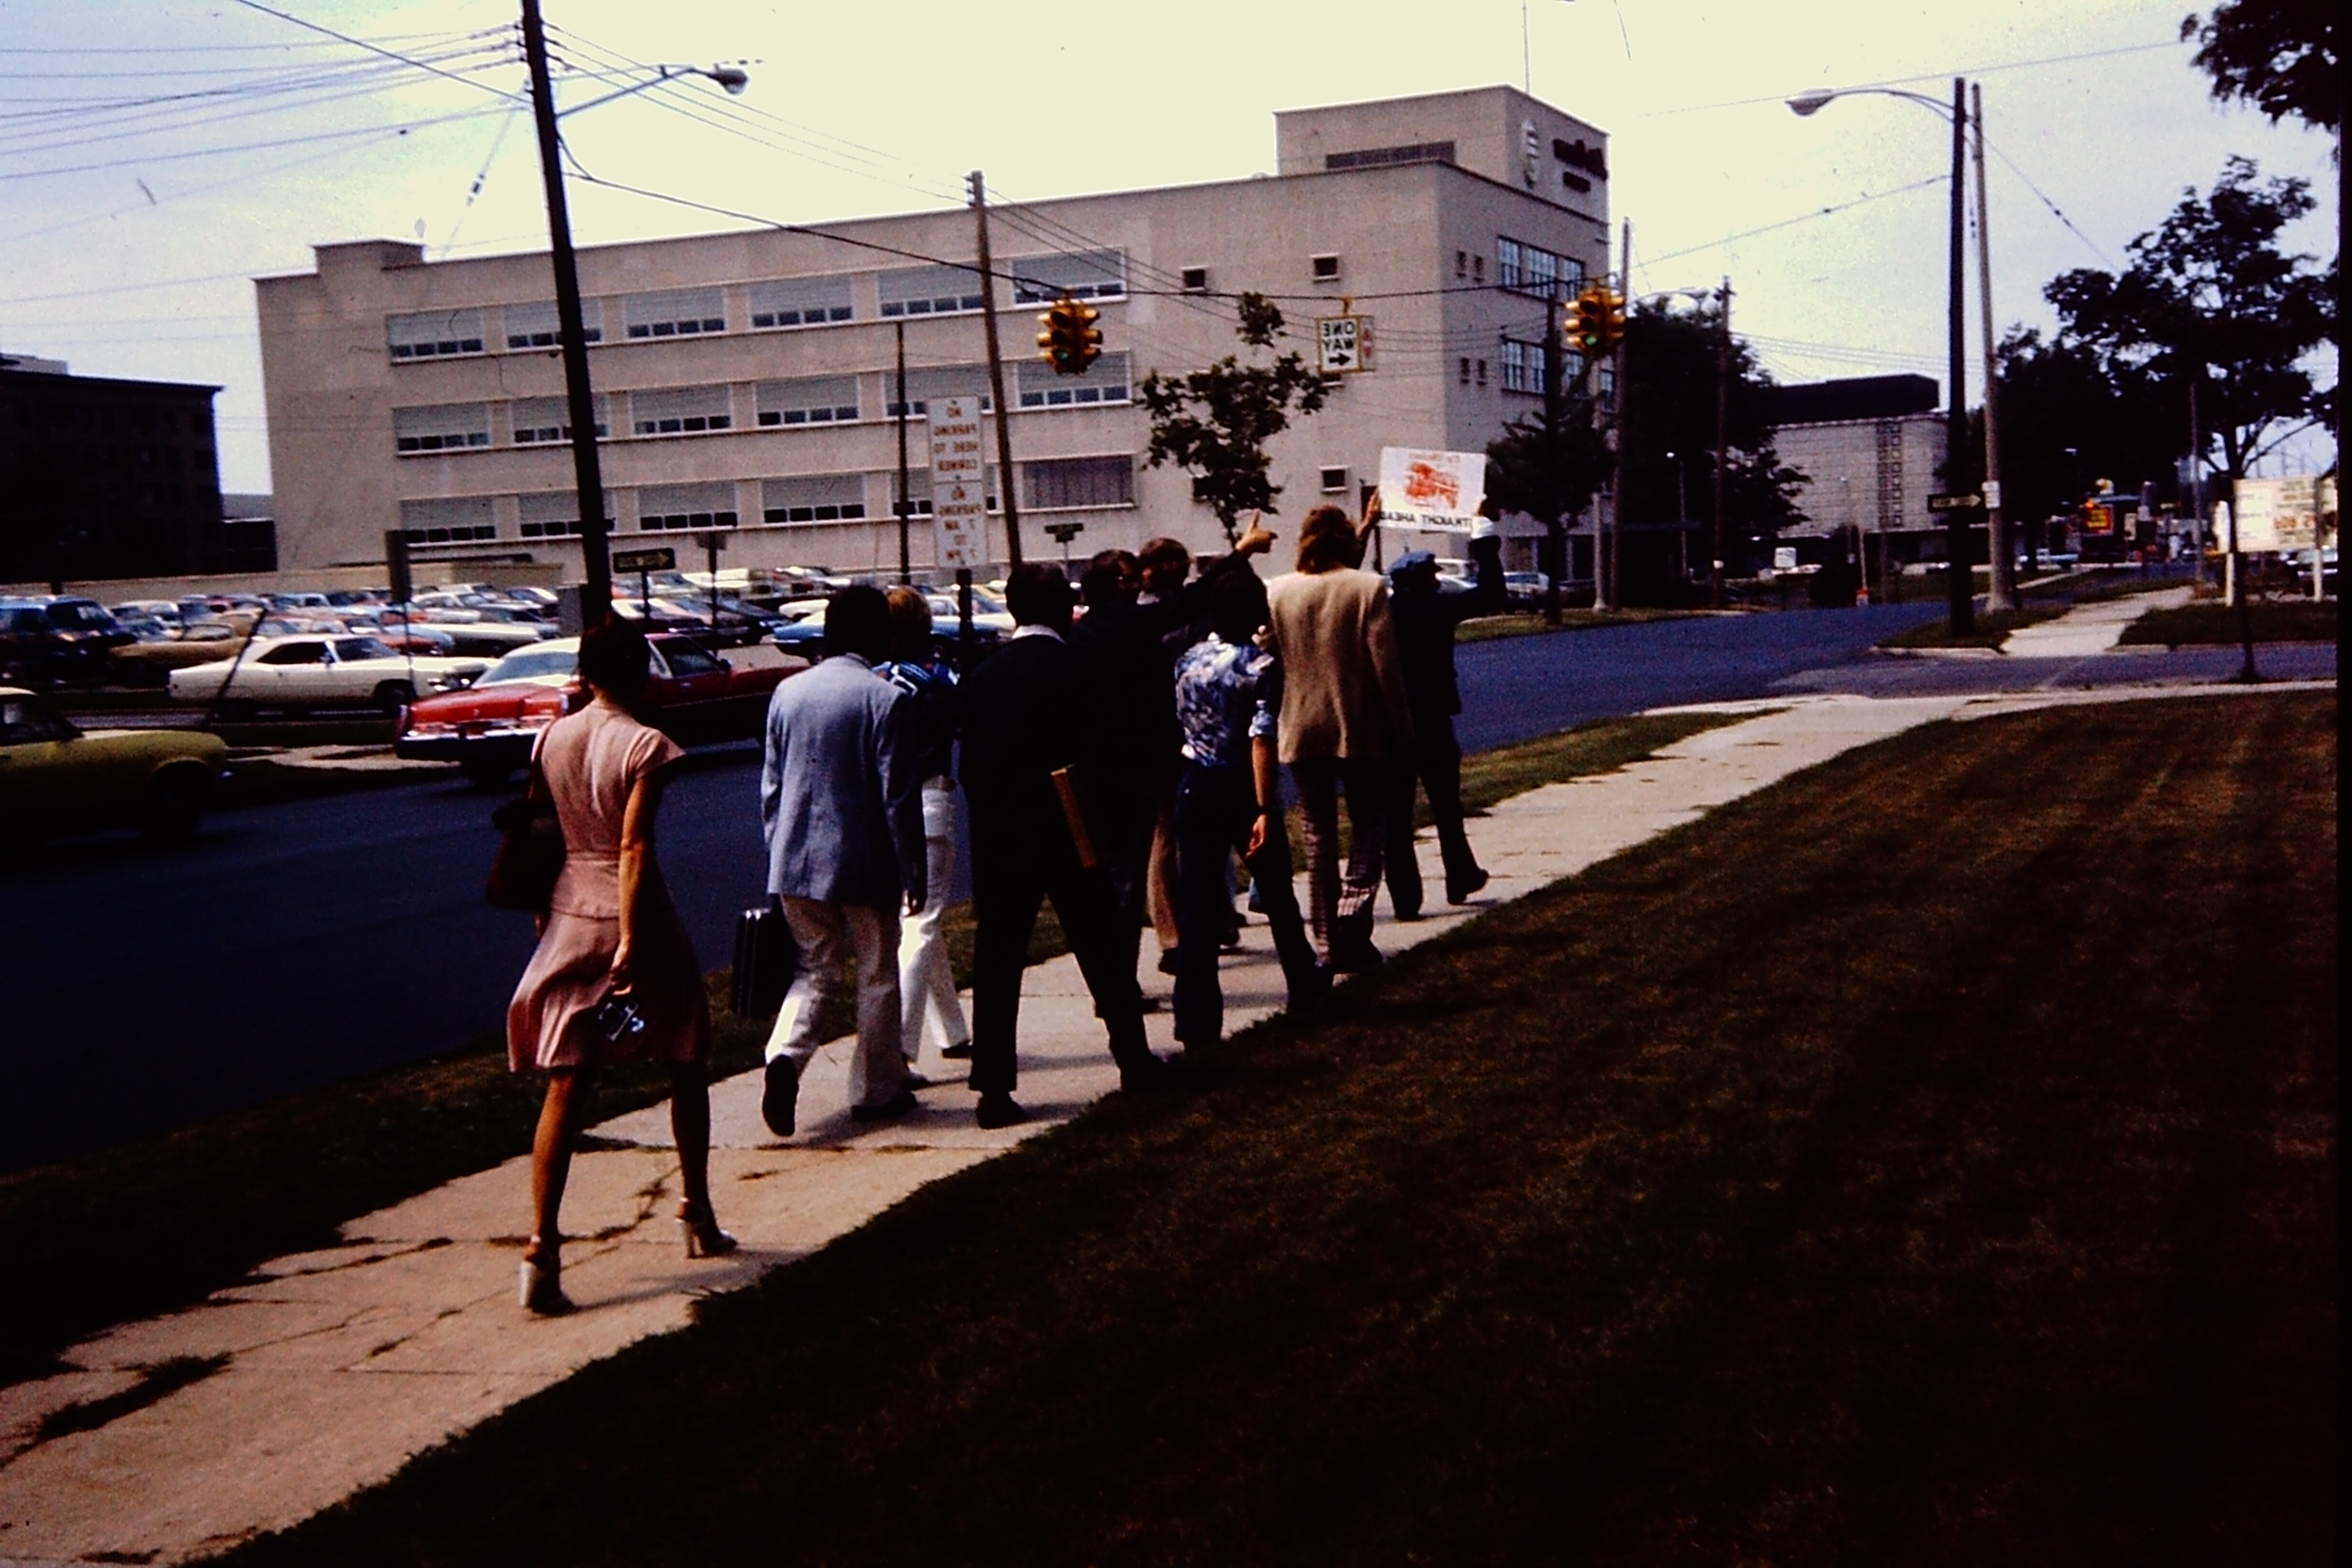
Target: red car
x=697 y=697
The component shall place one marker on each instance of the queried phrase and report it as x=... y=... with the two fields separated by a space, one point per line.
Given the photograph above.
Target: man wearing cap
x=1426 y=620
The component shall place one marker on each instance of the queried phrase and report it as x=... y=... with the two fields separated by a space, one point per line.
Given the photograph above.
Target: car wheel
x=392 y=695
x=175 y=803
x=487 y=772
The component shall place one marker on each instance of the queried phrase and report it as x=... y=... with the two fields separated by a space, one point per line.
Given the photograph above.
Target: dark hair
x=1237 y=605
x=857 y=620
x=615 y=659
x=1327 y=539
x=1038 y=595
x=910 y=624
x=1108 y=577
x=1163 y=552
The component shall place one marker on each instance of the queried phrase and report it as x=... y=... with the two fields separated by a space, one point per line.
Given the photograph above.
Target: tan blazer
x=1342 y=683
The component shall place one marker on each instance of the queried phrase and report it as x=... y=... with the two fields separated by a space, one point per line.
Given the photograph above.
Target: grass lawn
x=2218 y=623
x=160 y=1222
x=1991 y=628
x=1931 y=1159
x=1531 y=623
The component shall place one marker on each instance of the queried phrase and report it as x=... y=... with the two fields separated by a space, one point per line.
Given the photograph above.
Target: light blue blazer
x=841 y=792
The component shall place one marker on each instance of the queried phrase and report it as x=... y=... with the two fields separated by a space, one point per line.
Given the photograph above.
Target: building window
x=1461 y=263
x=1543 y=273
x=1383 y=157
x=1535 y=270
x=1482 y=373
x=535 y=326
x=1334 y=480
x=1196 y=279
x=801 y=302
x=539 y=421
x=1065 y=483
x=434 y=334
x=1323 y=268
x=929 y=290
x=814 y=497
x=456 y=520
x=675 y=313
x=919 y=492
x=1465 y=370
x=1105 y=380
x=1477 y=269
x=941 y=381
x=1507 y=263
x=555 y=514
x=821 y=400
x=1523 y=367
x=681 y=411
x=447 y=427
x=680 y=509
x=1081 y=275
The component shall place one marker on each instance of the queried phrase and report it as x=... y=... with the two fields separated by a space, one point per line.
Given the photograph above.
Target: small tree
x=1550 y=468
x=1215 y=423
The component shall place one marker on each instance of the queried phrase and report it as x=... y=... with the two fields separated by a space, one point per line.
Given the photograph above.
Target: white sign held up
x=959 y=485
x=1440 y=490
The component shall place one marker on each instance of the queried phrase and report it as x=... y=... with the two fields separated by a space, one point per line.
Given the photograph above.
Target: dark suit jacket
x=1024 y=711
x=1425 y=630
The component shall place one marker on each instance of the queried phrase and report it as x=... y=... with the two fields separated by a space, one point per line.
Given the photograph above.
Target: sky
x=155 y=157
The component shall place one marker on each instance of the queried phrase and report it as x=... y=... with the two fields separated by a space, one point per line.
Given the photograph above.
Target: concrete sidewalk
x=2093 y=628
x=280 y=1397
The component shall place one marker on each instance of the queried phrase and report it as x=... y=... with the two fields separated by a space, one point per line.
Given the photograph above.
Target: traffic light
x=1071 y=341
x=1599 y=324
x=1612 y=319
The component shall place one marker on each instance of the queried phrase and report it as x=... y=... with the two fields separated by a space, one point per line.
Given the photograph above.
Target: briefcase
x=764 y=962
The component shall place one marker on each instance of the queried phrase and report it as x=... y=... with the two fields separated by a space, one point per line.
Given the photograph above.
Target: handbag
x=765 y=959
x=530 y=855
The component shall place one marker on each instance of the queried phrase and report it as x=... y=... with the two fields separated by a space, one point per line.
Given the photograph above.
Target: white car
x=294 y=673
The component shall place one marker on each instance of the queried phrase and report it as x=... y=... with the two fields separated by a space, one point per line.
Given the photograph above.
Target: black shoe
x=1353 y=956
x=781 y=1097
x=1310 y=994
x=1168 y=963
x=958 y=1052
x=1410 y=912
x=1145 y=1075
x=997 y=1109
x=1460 y=889
x=1150 y=1003
x=888 y=1110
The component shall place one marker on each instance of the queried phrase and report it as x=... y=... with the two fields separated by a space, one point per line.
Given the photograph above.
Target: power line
x=401 y=129
x=1925 y=76
x=1863 y=200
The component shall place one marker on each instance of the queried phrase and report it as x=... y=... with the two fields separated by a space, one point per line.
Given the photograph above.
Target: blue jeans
x=1216 y=808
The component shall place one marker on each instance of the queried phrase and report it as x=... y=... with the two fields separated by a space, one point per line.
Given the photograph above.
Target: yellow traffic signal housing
x=1612 y=320
x=1086 y=337
x=1591 y=322
x=1071 y=341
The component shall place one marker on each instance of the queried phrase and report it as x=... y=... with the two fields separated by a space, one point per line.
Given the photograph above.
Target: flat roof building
x=1871 y=450
x=745 y=381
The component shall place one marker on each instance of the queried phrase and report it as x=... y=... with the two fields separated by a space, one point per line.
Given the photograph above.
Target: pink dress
x=592 y=760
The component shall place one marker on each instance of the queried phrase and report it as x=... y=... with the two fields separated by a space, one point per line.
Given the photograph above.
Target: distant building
x=745 y=381
x=106 y=478
x=1872 y=449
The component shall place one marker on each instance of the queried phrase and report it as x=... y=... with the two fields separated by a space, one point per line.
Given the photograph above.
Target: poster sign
x=959 y=485
x=2291 y=513
x=1441 y=490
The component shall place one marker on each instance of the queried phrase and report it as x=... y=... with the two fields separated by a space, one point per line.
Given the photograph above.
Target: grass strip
x=1991 y=628
x=1531 y=623
x=2217 y=622
x=1928 y=1159
x=160 y=1222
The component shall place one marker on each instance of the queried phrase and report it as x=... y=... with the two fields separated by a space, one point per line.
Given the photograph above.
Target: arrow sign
x=1956 y=502
x=645 y=561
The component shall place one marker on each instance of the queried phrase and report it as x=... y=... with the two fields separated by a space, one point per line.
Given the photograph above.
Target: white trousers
x=927 y=985
x=842 y=946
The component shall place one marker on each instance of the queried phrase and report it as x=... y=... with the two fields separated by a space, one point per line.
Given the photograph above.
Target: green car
x=57 y=779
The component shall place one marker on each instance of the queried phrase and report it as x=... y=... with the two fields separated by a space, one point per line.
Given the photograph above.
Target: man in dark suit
x=1425 y=621
x=1027 y=710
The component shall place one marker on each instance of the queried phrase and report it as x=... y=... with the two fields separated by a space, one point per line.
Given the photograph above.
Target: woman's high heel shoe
x=701 y=1229
x=542 y=1282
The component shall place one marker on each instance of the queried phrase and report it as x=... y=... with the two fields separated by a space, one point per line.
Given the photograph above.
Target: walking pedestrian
x=1425 y=623
x=1026 y=714
x=927 y=988
x=840 y=804
x=614 y=977
x=1229 y=802
x=1345 y=724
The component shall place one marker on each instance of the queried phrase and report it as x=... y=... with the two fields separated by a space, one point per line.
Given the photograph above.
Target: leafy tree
x=1550 y=464
x=2209 y=299
x=1215 y=423
x=2278 y=55
x=1671 y=358
x=2070 y=417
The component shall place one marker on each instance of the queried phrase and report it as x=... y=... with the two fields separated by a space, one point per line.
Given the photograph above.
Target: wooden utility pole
x=906 y=501
x=1961 y=598
x=2001 y=592
x=596 y=547
x=1007 y=485
x=1624 y=426
x=1555 y=417
x=1722 y=435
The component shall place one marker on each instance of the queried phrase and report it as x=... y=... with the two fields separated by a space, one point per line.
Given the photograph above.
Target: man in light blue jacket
x=840 y=804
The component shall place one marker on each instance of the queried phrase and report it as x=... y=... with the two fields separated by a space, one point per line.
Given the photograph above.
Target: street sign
x=645 y=561
x=1969 y=501
x=1340 y=348
x=1064 y=533
x=959 y=485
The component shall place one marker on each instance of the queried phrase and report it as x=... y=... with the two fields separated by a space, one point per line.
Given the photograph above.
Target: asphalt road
x=295 y=945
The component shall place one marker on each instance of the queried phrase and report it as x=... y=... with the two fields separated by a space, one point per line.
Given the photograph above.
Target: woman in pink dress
x=615 y=977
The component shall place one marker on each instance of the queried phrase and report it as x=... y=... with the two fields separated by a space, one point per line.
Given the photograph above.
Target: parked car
x=150 y=661
x=297 y=674
x=55 y=638
x=55 y=778
x=696 y=698
x=1525 y=589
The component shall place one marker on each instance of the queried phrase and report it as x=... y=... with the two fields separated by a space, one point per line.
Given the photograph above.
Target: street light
x=1962 y=610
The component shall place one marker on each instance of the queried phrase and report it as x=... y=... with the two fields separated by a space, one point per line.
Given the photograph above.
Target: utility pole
x=1625 y=429
x=2000 y=591
x=595 y=548
x=1555 y=417
x=906 y=501
x=1722 y=433
x=1005 y=477
x=2197 y=476
x=1962 y=597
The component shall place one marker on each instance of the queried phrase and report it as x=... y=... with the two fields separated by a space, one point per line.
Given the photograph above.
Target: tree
x=2070 y=417
x=1671 y=357
x=2210 y=300
x=2277 y=55
x=1215 y=423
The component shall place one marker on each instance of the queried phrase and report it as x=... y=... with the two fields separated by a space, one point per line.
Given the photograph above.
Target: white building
x=745 y=380
x=1872 y=449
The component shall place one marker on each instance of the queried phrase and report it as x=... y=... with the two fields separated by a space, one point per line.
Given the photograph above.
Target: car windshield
x=79 y=613
x=349 y=648
x=685 y=658
x=533 y=663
